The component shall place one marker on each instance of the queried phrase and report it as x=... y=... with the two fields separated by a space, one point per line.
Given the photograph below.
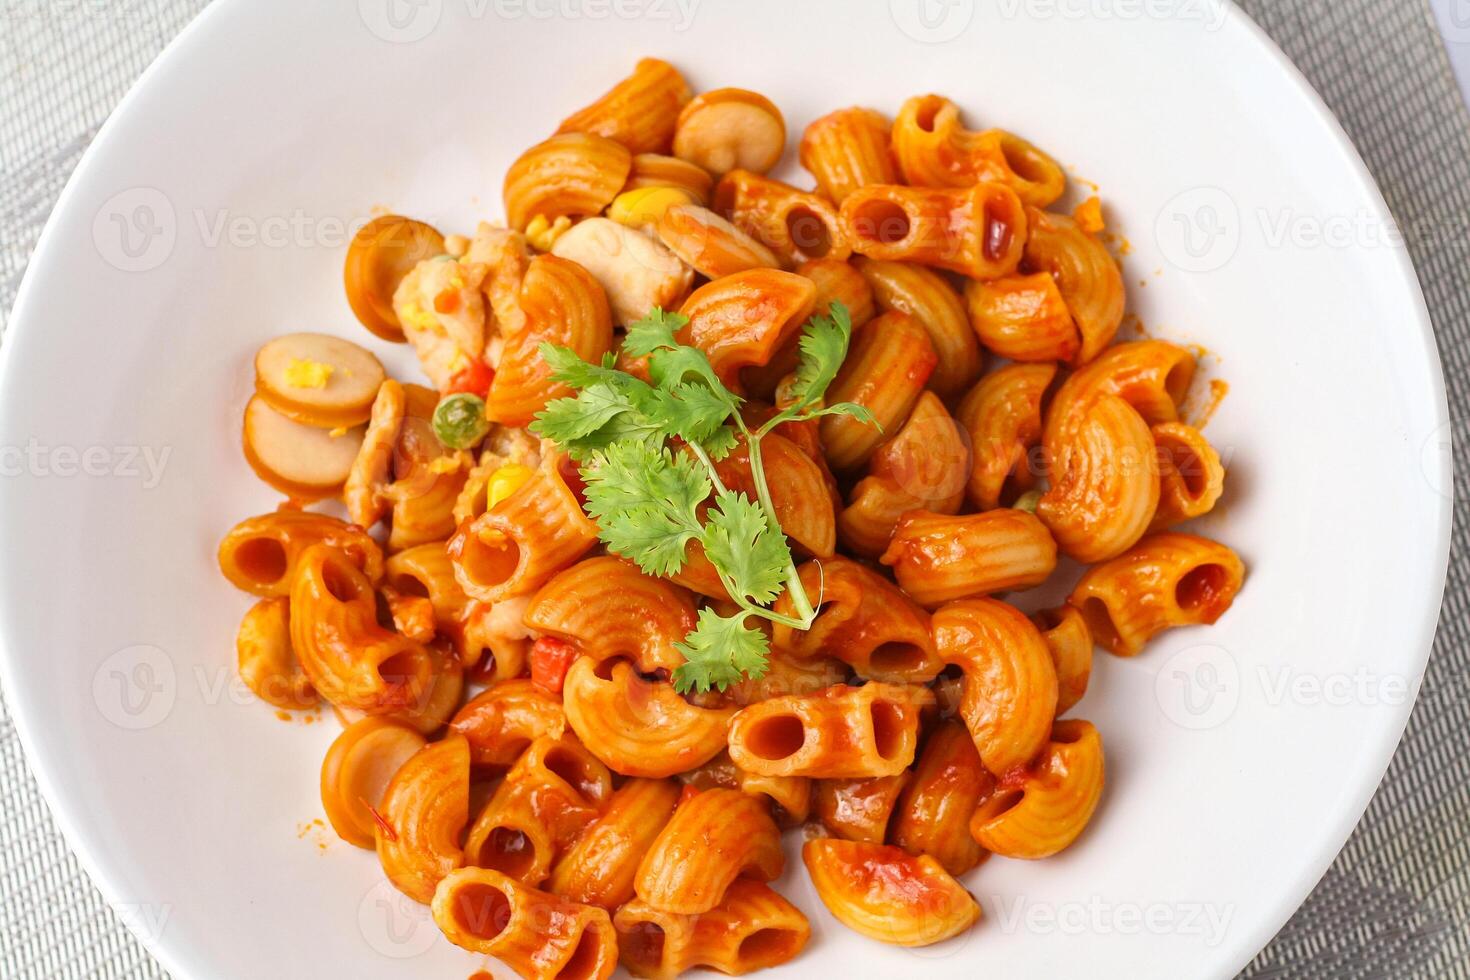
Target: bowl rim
x=1242 y=949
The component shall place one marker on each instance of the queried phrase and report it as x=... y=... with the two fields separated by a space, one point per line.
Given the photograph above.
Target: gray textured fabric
x=1397 y=901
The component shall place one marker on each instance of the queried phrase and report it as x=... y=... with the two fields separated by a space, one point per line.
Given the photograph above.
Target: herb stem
x=703 y=457
x=805 y=614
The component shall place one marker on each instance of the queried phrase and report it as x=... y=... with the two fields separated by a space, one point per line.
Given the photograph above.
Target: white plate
x=209 y=216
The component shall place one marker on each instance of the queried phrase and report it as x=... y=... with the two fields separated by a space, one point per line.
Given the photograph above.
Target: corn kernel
x=307 y=374
x=506 y=481
x=644 y=206
x=542 y=234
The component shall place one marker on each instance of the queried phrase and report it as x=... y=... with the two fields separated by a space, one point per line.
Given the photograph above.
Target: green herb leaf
x=568 y=421
x=645 y=502
x=721 y=651
x=568 y=367
x=654 y=332
x=859 y=412
x=739 y=540
x=822 y=347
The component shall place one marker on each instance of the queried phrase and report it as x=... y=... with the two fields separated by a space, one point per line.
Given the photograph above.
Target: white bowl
x=212 y=212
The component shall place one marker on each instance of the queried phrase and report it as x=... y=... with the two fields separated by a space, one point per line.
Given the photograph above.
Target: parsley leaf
x=646 y=503
x=567 y=421
x=654 y=332
x=721 y=651
x=739 y=540
x=569 y=368
x=822 y=348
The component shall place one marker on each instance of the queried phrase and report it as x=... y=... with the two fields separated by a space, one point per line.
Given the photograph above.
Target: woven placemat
x=1397 y=901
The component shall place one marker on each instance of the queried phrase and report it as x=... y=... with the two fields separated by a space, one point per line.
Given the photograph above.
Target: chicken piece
x=372 y=471
x=637 y=272
x=506 y=255
x=442 y=309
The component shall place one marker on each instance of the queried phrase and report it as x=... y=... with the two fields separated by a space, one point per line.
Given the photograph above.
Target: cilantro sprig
x=647 y=453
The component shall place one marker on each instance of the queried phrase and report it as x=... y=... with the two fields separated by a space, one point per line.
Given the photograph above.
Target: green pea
x=459 y=420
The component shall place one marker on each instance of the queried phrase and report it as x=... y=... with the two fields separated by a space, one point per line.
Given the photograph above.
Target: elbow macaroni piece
x=788 y=673
x=425 y=570
x=1168 y=579
x=1089 y=280
x=1153 y=376
x=1191 y=477
x=607 y=608
x=937 y=558
x=552 y=793
x=563 y=305
x=515 y=547
x=1023 y=318
x=502 y=721
x=798 y=226
x=1039 y=811
x=887 y=894
x=924 y=467
x=639 y=112
x=887 y=366
x=859 y=809
x=267 y=664
x=742 y=320
x=1105 y=482
x=351 y=660
x=432 y=705
x=260 y=555
x=425 y=809
x=1002 y=415
x=714 y=837
x=792 y=795
x=638 y=727
x=840 y=733
x=573 y=174
x=711 y=245
x=752 y=928
x=934 y=149
x=848 y=149
x=837 y=280
x=494 y=641
x=933 y=814
x=864 y=621
x=926 y=296
x=977 y=231
x=536 y=934
x=1010 y=689
x=598 y=869
x=1070 y=641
